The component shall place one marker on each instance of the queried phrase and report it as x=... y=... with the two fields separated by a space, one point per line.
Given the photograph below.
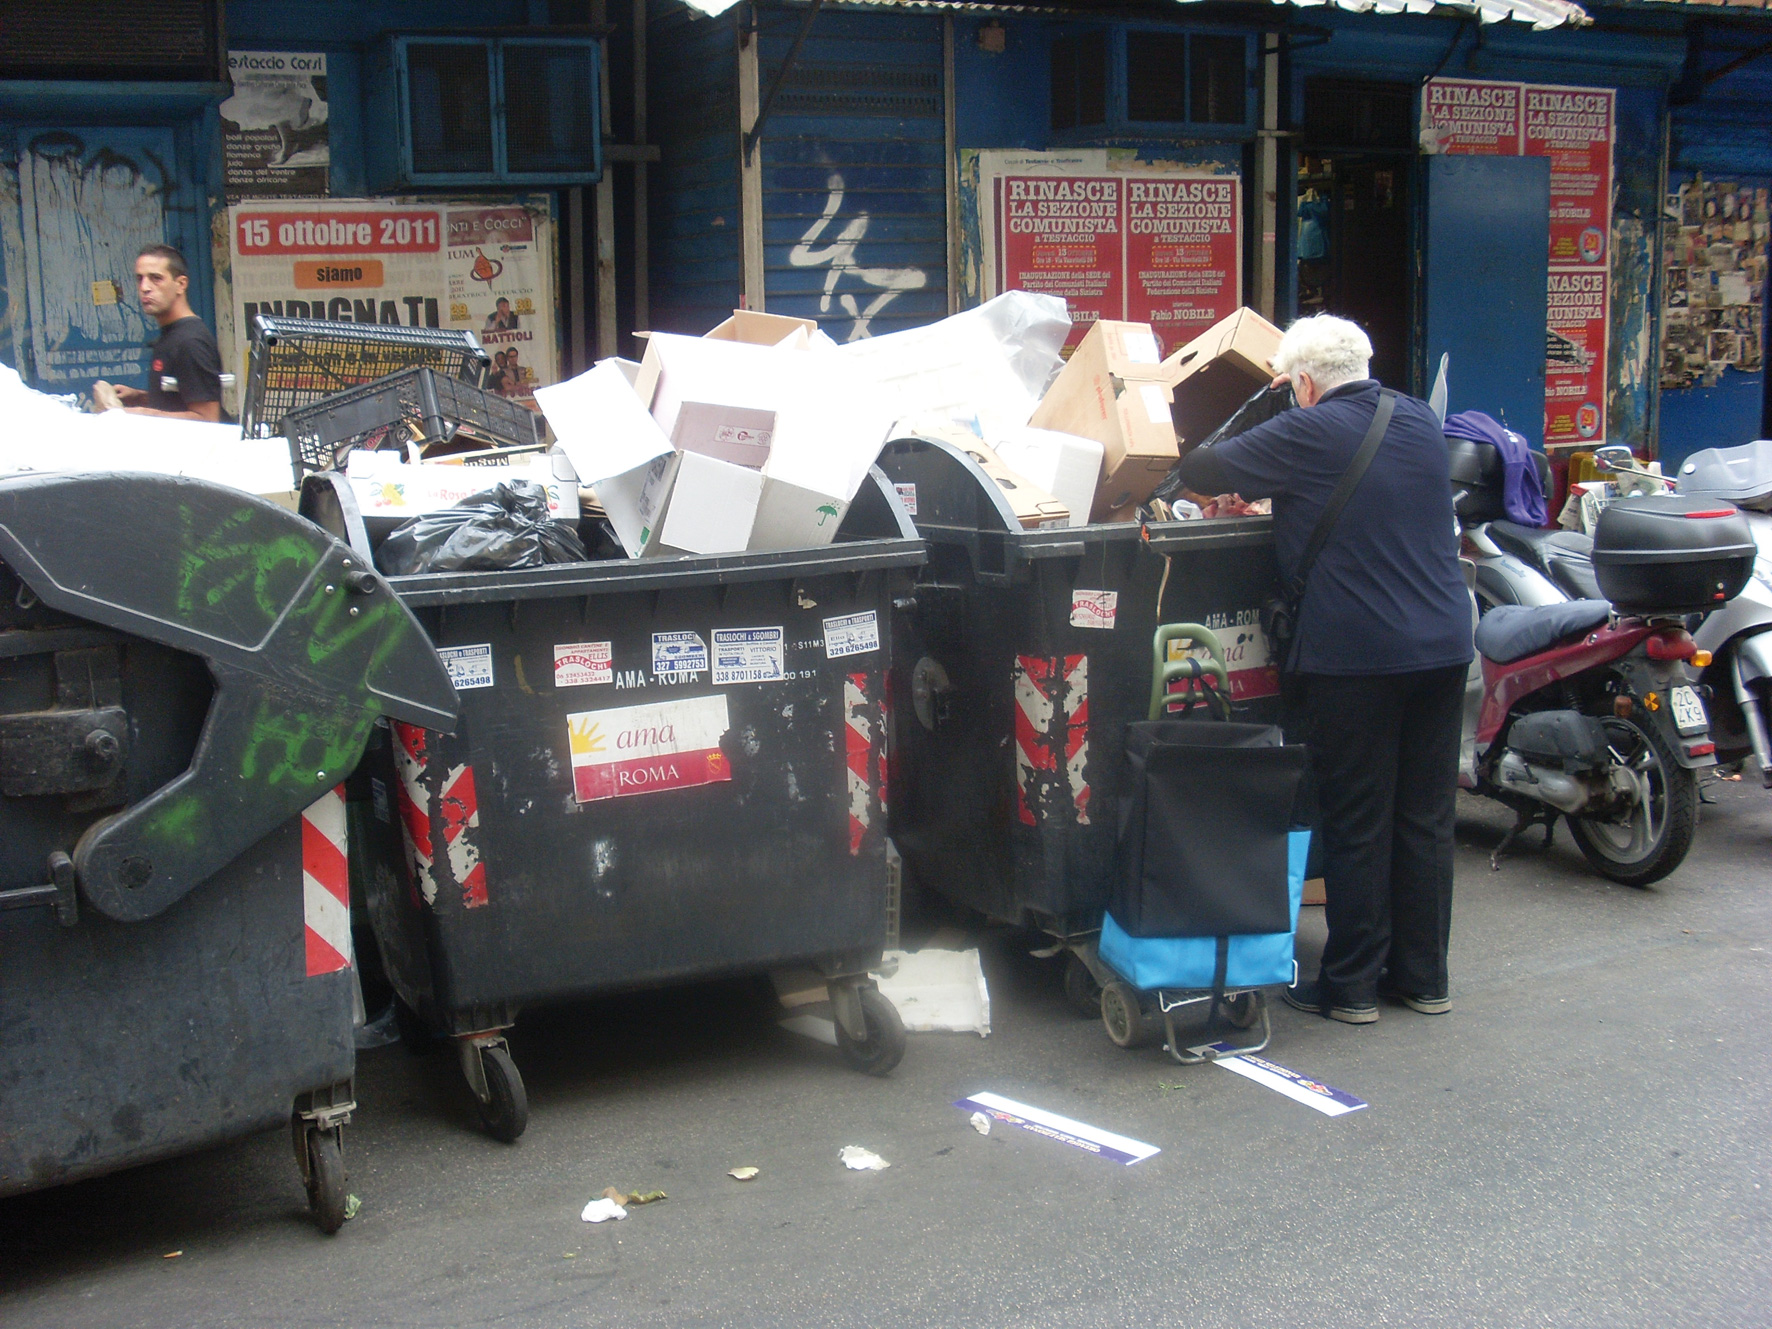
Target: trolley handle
x=1165 y=671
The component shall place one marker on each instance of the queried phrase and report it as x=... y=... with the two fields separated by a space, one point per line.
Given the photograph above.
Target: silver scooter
x=1739 y=635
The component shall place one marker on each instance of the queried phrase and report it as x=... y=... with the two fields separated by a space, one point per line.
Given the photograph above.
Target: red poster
x=1184 y=253
x=1472 y=116
x=1573 y=127
x=1063 y=235
x=1575 y=357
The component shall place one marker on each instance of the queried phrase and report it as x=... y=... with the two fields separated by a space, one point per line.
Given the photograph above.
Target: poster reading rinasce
x=484 y=267
x=1115 y=237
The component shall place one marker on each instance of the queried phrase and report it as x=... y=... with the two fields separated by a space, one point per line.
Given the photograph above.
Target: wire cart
x=412 y=406
x=297 y=361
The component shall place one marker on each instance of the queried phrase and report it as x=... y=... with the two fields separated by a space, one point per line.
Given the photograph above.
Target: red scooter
x=1573 y=709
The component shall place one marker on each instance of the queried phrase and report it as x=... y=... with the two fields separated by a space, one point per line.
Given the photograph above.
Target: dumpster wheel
x=1124 y=1016
x=1081 y=989
x=884 y=1046
x=326 y=1178
x=505 y=1113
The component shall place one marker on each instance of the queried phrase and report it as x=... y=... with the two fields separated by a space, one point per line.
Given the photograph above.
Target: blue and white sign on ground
x=1312 y=1093
x=1077 y=1134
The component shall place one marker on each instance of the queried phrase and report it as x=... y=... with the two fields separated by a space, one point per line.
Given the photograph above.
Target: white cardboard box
x=601 y=425
x=1067 y=466
x=386 y=486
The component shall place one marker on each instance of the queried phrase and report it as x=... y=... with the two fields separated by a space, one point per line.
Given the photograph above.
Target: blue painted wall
x=693 y=191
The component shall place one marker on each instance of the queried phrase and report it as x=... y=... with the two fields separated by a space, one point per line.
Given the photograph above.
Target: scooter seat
x=1512 y=632
x=1533 y=543
x=1566 y=557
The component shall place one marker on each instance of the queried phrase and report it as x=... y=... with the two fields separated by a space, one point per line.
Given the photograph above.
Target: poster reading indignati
x=1713 y=282
x=1575 y=129
x=486 y=268
x=1149 y=242
x=275 y=127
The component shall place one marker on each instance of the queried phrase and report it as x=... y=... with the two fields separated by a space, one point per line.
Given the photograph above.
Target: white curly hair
x=1331 y=350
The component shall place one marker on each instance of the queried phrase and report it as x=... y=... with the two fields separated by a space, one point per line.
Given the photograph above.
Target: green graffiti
x=183 y=821
x=214 y=567
x=331 y=629
x=301 y=747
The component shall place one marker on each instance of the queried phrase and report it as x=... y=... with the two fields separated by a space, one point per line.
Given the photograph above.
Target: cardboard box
x=1114 y=390
x=747 y=325
x=1067 y=466
x=601 y=424
x=1034 y=508
x=1218 y=371
x=715 y=396
x=387 y=486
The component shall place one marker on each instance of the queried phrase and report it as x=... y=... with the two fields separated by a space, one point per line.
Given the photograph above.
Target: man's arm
x=206 y=411
x=1256 y=463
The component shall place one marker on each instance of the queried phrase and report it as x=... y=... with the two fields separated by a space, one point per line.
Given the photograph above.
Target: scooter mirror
x=1614 y=457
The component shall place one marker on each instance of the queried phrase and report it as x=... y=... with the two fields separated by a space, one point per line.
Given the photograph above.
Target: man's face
x=158 y=289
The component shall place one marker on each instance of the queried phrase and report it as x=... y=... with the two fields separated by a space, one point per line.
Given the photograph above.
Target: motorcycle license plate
x=1688 y=711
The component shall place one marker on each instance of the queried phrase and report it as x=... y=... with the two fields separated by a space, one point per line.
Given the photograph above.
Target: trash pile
x=758 y=435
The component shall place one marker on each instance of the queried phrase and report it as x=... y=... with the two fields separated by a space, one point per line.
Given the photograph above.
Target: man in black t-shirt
x=184 y=379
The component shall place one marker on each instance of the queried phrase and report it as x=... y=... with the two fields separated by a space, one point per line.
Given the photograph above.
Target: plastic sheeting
x=1541 y=14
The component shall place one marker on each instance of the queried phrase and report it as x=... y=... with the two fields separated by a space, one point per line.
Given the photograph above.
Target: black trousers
x=1384 y=757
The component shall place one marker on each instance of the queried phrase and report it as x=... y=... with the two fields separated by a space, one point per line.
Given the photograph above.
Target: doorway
x=1355 y=210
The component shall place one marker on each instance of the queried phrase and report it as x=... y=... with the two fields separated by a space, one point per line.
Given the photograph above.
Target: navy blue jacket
x=1386 y=595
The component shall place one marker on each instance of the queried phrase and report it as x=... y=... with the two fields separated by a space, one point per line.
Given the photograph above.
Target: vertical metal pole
x=1267 y=152
x=605 y=274
x=750 y=173
x=642 y=246
x=575 y=287
x=950 y=132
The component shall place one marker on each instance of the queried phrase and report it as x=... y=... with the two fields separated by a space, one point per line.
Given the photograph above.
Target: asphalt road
x=1584 y=1140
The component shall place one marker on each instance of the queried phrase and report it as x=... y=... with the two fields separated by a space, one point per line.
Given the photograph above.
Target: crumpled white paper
x=602 y=1210
x=981 y=1123
x=862 y=1160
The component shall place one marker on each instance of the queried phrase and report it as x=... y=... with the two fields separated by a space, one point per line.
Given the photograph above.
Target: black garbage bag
x=506 y=526
x=1261 y=407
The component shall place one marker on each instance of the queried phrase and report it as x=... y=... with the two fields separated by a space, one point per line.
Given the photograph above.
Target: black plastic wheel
x=326 y=1179
x=416 y=1036
x=1081 y=989
x=884 y=1046
x=1243 y=1010
x=1653 y=841
x=506 y=1116
x=1123 y=1015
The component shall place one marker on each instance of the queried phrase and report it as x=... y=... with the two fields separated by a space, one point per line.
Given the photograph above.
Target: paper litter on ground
x=602 y=1210
x=742 y=1173
x=858 y=1159
x=981 y=1123
x=1329 y=1101
x=939 y=990
x=1077 y=1134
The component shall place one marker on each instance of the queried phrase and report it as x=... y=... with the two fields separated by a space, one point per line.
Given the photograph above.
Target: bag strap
x=1350 y=481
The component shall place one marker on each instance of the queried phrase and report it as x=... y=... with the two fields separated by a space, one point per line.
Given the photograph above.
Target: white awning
x=1541 y=14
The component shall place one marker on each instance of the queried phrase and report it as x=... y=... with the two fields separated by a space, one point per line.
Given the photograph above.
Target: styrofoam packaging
x=1067 y=466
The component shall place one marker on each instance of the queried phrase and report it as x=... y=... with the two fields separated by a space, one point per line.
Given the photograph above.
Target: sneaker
x=1415 y=1002
x=1308 y=997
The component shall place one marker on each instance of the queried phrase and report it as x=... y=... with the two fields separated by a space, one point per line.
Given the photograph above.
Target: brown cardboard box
x=1114 y=389
x=1218 y=371
x=1033 y=506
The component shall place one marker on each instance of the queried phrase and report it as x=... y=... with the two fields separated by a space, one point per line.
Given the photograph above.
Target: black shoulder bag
x=1279 y=616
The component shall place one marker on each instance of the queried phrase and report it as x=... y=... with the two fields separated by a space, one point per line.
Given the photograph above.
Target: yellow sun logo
x=585 y=736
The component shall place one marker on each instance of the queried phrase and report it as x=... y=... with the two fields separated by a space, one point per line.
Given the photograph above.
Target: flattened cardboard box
x=1114 y=391
x=1217 y=371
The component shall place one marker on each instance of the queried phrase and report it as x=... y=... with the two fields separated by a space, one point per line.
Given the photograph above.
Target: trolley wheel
x=1081 y=989
x=1123 y=1015
x=1243 y=1010
x=506 y=1115
x=326 y=1179
x=416 y=1036
x=884 y=1046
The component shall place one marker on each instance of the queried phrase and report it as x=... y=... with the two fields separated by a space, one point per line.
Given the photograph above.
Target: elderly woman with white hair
x=1374 y=678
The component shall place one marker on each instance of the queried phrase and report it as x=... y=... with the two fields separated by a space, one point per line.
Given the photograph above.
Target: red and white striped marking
x=858 y=746
x=326 y=885
x=1051 y=715
x=457 y=818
